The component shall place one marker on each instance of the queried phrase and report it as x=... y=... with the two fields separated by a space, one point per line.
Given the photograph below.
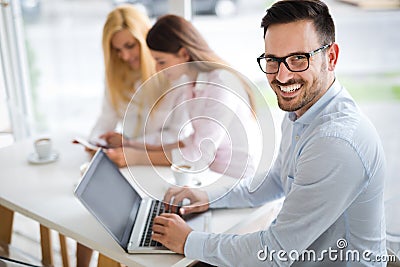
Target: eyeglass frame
x=283 y=59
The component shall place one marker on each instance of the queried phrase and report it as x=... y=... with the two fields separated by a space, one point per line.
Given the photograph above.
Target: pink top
x=213 y=118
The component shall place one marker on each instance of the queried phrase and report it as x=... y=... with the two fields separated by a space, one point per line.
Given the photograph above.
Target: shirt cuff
x=194 y=245
x=217 y=198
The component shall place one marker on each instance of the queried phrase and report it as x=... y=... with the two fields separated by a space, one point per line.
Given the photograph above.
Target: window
x=15 y=92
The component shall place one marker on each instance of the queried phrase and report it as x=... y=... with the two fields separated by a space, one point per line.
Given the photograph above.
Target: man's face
x=298 y=91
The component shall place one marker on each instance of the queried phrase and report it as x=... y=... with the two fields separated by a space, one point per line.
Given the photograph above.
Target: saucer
x=34 y=158
x=193 y=183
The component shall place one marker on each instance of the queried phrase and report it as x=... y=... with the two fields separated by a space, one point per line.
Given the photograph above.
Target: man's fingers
x=159 y=219
x=163 y=218
x=159 y=229
x=170 y=193
x=157 y=237
x=171 y=231
x=180 y=196
x=161 y=222
x=193 y=209
x=169 y=196
x=175 y=196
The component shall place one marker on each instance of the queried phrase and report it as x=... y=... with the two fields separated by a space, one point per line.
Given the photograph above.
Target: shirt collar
x=312 y=112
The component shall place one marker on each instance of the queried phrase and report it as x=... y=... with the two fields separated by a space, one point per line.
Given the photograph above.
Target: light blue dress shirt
x=330 y=168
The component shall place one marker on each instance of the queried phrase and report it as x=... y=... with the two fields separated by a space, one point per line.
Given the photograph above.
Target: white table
x=44 y=193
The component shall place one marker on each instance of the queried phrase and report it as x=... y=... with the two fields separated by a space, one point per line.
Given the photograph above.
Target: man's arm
x=325 y=185
x=243 y=195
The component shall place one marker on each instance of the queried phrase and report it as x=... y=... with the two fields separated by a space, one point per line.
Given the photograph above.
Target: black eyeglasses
x=295 y=62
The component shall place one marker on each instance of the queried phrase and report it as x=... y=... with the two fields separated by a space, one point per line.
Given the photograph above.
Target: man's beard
x=307 y=94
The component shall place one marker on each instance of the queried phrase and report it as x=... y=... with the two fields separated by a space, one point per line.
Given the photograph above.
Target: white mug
x=43 y=148
x=183 y=174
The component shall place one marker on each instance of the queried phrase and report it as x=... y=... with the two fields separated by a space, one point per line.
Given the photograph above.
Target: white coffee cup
x=43 y=148
x=183 y=174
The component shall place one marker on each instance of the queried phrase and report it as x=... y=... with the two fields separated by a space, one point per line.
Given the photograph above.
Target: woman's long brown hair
x=170 y=33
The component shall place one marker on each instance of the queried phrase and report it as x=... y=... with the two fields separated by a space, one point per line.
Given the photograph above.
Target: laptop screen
x=109 y=197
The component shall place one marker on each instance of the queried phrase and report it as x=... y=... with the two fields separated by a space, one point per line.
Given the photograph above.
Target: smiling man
x=298 y=84
x=330 y=167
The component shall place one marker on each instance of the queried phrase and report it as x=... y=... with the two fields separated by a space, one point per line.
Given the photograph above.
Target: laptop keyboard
x=157 y=207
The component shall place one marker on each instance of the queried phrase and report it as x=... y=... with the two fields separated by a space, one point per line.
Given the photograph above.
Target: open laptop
x=123 y=212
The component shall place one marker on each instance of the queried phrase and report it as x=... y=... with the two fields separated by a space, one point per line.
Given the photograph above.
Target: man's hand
x=175 y=195
x=171 y=231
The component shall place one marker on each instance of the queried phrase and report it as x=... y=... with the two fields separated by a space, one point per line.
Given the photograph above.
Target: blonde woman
x=128 y=63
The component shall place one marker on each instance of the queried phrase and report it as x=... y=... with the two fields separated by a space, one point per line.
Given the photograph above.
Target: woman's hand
x=90 y=151
x=117 y=156
x=199 y=201
x=113 y=139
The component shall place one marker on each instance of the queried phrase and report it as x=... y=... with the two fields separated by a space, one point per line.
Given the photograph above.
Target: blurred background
x=62 y=43
x=62 y=73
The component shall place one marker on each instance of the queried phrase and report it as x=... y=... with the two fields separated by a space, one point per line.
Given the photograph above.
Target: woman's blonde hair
x=170 y=33
x=120 y=79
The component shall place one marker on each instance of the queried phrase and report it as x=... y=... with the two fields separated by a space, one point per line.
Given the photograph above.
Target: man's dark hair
x=287 y=11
